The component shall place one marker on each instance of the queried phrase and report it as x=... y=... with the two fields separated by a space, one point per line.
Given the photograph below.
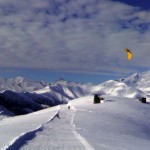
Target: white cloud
x=87 y=35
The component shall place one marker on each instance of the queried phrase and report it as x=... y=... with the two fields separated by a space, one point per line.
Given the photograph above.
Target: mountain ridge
x=20 y=84
x=32 y=95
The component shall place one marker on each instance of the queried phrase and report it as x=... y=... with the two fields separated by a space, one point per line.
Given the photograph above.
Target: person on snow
x=57 y=115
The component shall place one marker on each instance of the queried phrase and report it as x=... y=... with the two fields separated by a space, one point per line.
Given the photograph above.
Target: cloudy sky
x=82 y=37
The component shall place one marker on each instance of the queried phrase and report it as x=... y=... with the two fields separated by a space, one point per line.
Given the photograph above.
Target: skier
x=57 y=115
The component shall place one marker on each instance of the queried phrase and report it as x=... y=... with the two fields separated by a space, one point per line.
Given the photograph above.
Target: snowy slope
x=19 y=128
x=119 y=123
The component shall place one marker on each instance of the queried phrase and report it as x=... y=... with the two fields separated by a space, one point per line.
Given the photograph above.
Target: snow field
x=60 y=134
x=15 y=128
x=118 y=123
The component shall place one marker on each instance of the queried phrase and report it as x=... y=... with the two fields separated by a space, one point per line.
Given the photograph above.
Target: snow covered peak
x=62 y=81
x=18 y=79
x=131 y=80
x=117 y=88
x=20 y=84
x=43 y=90
x=135 y=75
x=139 y=81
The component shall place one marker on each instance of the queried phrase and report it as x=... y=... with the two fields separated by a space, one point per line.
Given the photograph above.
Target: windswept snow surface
x=59 y=134
x=118 y=123
x=13 y=129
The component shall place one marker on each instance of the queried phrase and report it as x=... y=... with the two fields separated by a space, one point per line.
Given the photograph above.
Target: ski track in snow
x=61 y=134
x=20 y=140
x=82 y=139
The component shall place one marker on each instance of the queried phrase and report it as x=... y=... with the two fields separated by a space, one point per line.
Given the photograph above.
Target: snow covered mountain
x=139 y=81
x=65 y=90
x=115 y=88
x=23 y=96
x=20 y=84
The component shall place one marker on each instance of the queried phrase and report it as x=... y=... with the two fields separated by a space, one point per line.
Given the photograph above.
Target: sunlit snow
x=121 y=122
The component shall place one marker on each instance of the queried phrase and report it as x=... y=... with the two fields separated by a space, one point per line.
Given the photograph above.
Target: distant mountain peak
x=135 y=75
x=20 y=84
x=19 y=79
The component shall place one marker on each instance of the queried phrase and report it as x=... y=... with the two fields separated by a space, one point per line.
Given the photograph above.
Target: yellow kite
x=129 y=53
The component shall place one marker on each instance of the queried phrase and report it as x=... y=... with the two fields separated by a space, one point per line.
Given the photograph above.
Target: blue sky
x=73 y=39
x=145 y=5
